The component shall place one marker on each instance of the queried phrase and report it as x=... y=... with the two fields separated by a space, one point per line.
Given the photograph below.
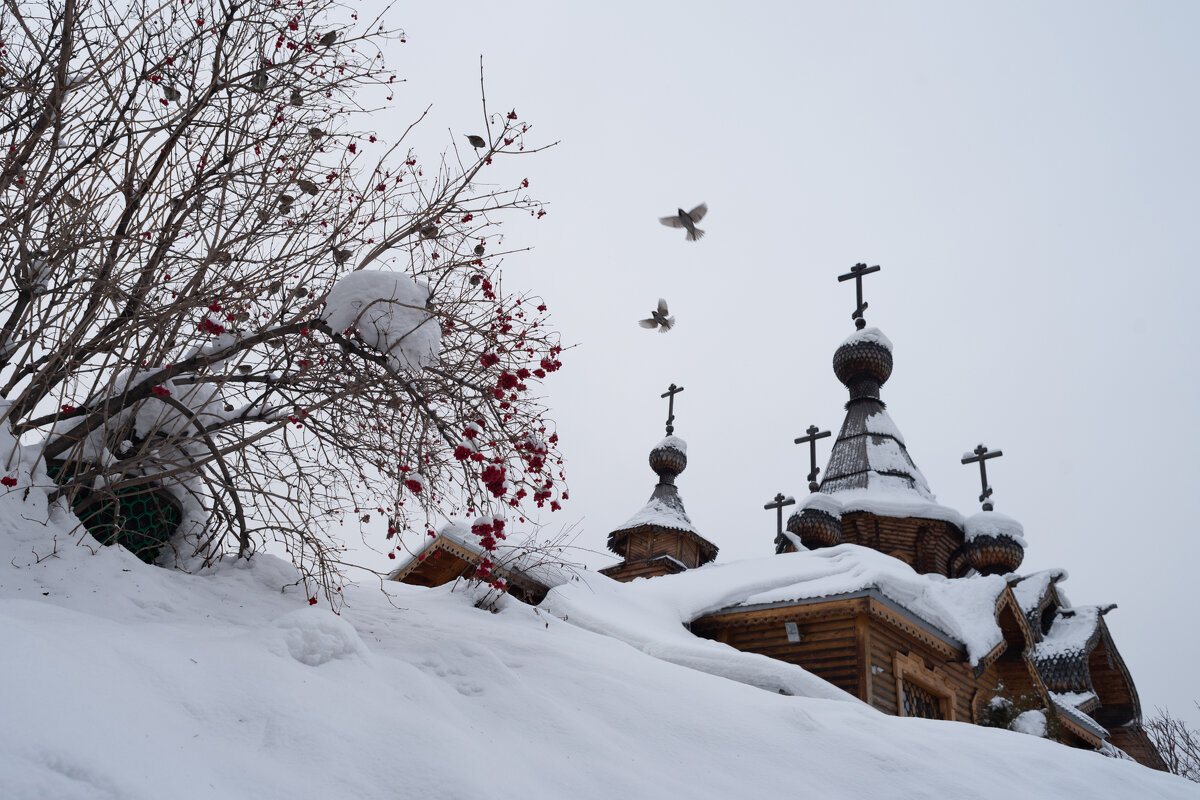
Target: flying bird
x=659 y=318
x=687 y=220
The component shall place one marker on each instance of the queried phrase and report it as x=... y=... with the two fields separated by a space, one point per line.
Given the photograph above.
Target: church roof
x=869 y=466
x=664 y=509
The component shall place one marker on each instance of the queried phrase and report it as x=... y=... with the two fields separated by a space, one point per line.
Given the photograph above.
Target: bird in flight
x=688 y=220
x=659 y=318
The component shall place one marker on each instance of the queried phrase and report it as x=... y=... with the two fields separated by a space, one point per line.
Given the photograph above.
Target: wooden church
x=1048 y=663
x=1052 y=658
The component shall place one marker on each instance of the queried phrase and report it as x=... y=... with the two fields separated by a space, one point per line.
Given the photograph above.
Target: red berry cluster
x=488 y=529
x=208 y=326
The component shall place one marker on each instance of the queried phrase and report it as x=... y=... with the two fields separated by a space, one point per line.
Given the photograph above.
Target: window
x=919 y=701
x=920 y=691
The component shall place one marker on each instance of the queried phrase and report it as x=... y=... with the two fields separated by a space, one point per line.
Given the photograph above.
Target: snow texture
x=1032 y=722
x=674 y=443
x=661 y=513
x=132 y=681
x=1070 y=632
x=820 y=501
x=1032 y=588
x=389 y=311
x=881 y=424
x=1073 y=699
x=993 y=523
x=126 y=680
x=873 y=335
x=891 y=497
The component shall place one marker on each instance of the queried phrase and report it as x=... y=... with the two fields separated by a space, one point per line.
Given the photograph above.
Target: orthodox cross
x=982 y=454
x=857 y=272
x=670 y=394
x=814 y=433
x=780 y=502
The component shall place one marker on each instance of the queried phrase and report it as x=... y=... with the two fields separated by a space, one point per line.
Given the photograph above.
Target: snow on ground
x=123 y=680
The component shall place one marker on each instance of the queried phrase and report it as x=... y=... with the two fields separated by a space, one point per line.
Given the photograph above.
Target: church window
x=921 y=691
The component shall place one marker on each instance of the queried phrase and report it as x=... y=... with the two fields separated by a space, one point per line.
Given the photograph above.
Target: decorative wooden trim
x=934 y=681
x=882 y=612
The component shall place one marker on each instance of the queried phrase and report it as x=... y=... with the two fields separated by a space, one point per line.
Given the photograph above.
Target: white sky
x=1026 y=174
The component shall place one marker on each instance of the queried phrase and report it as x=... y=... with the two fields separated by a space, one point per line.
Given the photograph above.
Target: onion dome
x=669 y=458
x=863 y=363
x=994 y=544
x=818 y=522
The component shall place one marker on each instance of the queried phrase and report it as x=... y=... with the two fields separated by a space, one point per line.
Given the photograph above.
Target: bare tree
x=182 y=186
x=1176 y=743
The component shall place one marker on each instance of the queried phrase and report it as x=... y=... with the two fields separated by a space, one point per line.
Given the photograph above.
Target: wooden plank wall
x=925 y=545
x=828 y=648
x=885 y=641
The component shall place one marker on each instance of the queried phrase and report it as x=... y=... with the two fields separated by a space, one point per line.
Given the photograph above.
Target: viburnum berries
x=208 y=326
x=160 y=391
x=8 y=481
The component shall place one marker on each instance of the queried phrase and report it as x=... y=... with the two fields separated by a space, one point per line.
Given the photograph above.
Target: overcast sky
x=1026 y=175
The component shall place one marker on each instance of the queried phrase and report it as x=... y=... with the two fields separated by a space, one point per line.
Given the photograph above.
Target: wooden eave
x=1007 y=598
x=1089 y=738
x=441 y=543
x=676 y=567
x=865 y=602
x=708 y=550
x=1113 y=657
x=469 y=557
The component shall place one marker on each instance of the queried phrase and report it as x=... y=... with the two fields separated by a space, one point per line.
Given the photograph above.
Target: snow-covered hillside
x=125 y=680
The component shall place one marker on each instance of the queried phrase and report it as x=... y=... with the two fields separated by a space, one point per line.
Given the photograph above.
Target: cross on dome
x=814 y=433
x=982 y=454
x=670 y=394
x=780 y=502
x=857 y=272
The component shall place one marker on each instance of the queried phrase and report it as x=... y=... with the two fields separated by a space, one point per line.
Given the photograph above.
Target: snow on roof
x=1032 y=588
x=993 y=523
x=641 y=615
x=888 y=498
x=662 y=512
x=1079 y=718
x=1073 y=699
x=673 y=442
x=869 y=335
x=962 y=608
x=1070 y=632
x=389 y=311
x=870 y=469
x=820 y=501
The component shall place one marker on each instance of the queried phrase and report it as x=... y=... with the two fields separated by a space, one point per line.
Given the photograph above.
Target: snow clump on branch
x=390 y=312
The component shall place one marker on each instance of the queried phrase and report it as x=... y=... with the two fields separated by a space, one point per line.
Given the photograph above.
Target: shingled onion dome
x=863 y=363
x=994 y=544
x=668 y=459
x=818 y=522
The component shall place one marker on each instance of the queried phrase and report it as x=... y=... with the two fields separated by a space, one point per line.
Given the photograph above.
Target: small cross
x=982 y=454
x=780 y=502
x=814 y=433
x=857 y=272
x=670 y=393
